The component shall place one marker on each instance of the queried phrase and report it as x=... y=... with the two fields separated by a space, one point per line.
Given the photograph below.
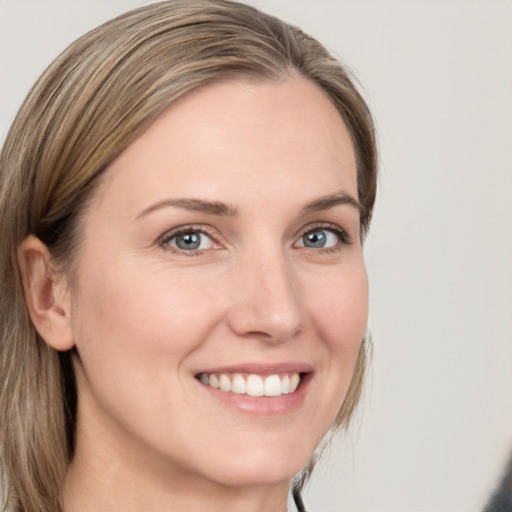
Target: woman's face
x=221 y=249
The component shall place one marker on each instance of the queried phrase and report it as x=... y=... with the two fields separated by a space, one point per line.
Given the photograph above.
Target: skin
x=146 y=317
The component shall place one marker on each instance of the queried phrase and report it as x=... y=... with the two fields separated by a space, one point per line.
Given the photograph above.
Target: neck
x=113 y=469
x=104 y=475
x=86 y=492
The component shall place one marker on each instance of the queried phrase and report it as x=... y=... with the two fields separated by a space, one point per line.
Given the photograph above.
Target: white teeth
x=294 y=382
x=214 y=382
x=273 y=386
x=255 y=386
x=225 y=383
x=285 y=385
x=252 y=385
x=239 y=386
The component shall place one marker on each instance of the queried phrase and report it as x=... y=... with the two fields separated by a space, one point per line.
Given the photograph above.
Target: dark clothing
x=298 y=502
x=501 y=500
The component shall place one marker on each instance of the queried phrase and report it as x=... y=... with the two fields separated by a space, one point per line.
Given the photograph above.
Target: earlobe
x=46 y=295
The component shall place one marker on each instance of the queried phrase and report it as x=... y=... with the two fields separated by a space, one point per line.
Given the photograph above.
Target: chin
x=262 y=466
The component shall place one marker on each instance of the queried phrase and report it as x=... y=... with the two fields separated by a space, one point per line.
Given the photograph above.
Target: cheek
x=341 y=311
x=338 y=306
x=341 y=317
x=148 y=310
x=134 y=331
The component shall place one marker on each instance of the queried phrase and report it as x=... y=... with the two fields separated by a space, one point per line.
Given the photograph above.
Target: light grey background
x=436 y=426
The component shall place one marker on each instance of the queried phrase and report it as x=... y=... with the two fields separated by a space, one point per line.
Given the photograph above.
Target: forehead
x=252 y=136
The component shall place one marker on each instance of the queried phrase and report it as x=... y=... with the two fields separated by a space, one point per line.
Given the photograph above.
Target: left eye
x=319 y=239
x=191 y=241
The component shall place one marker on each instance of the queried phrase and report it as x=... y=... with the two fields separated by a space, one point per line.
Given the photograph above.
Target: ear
x=46 y=294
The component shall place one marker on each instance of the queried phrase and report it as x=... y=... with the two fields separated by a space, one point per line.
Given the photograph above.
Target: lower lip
x=263 y=405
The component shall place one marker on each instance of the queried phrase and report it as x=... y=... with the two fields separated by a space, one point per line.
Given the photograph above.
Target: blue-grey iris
x=188 y=241
x=315 y=239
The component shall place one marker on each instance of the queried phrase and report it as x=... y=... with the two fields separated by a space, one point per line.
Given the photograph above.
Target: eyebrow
x=223 y=209
x=195 y=205
x=330 y=201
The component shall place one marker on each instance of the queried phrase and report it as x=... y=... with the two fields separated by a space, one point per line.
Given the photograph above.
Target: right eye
x=189 y=240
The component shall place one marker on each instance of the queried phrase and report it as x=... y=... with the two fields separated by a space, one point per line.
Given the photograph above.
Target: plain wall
x=435 y=428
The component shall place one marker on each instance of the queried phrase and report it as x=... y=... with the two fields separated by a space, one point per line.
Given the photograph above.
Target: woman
x=184 y=196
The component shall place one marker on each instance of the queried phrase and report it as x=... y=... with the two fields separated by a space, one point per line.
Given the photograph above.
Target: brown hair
x=91 y=102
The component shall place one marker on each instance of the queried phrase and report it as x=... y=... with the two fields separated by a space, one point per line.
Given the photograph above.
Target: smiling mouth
x=253 y=384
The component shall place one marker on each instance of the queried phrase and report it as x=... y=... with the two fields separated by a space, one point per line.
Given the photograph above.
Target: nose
x=266 y=300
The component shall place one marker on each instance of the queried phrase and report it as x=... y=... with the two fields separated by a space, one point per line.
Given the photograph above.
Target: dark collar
x=298 y=501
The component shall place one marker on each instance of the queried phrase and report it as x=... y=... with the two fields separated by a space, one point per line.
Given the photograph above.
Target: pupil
x=315 y=239
x=189 y=241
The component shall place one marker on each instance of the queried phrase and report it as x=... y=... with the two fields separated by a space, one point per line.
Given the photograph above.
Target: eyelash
x=344 y=238
x=165 y=239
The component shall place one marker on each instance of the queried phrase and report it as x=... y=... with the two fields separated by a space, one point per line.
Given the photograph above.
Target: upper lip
x=261 y=368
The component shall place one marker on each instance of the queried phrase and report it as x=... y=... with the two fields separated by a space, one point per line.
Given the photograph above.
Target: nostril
x=257 y=321
x=266 y=302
